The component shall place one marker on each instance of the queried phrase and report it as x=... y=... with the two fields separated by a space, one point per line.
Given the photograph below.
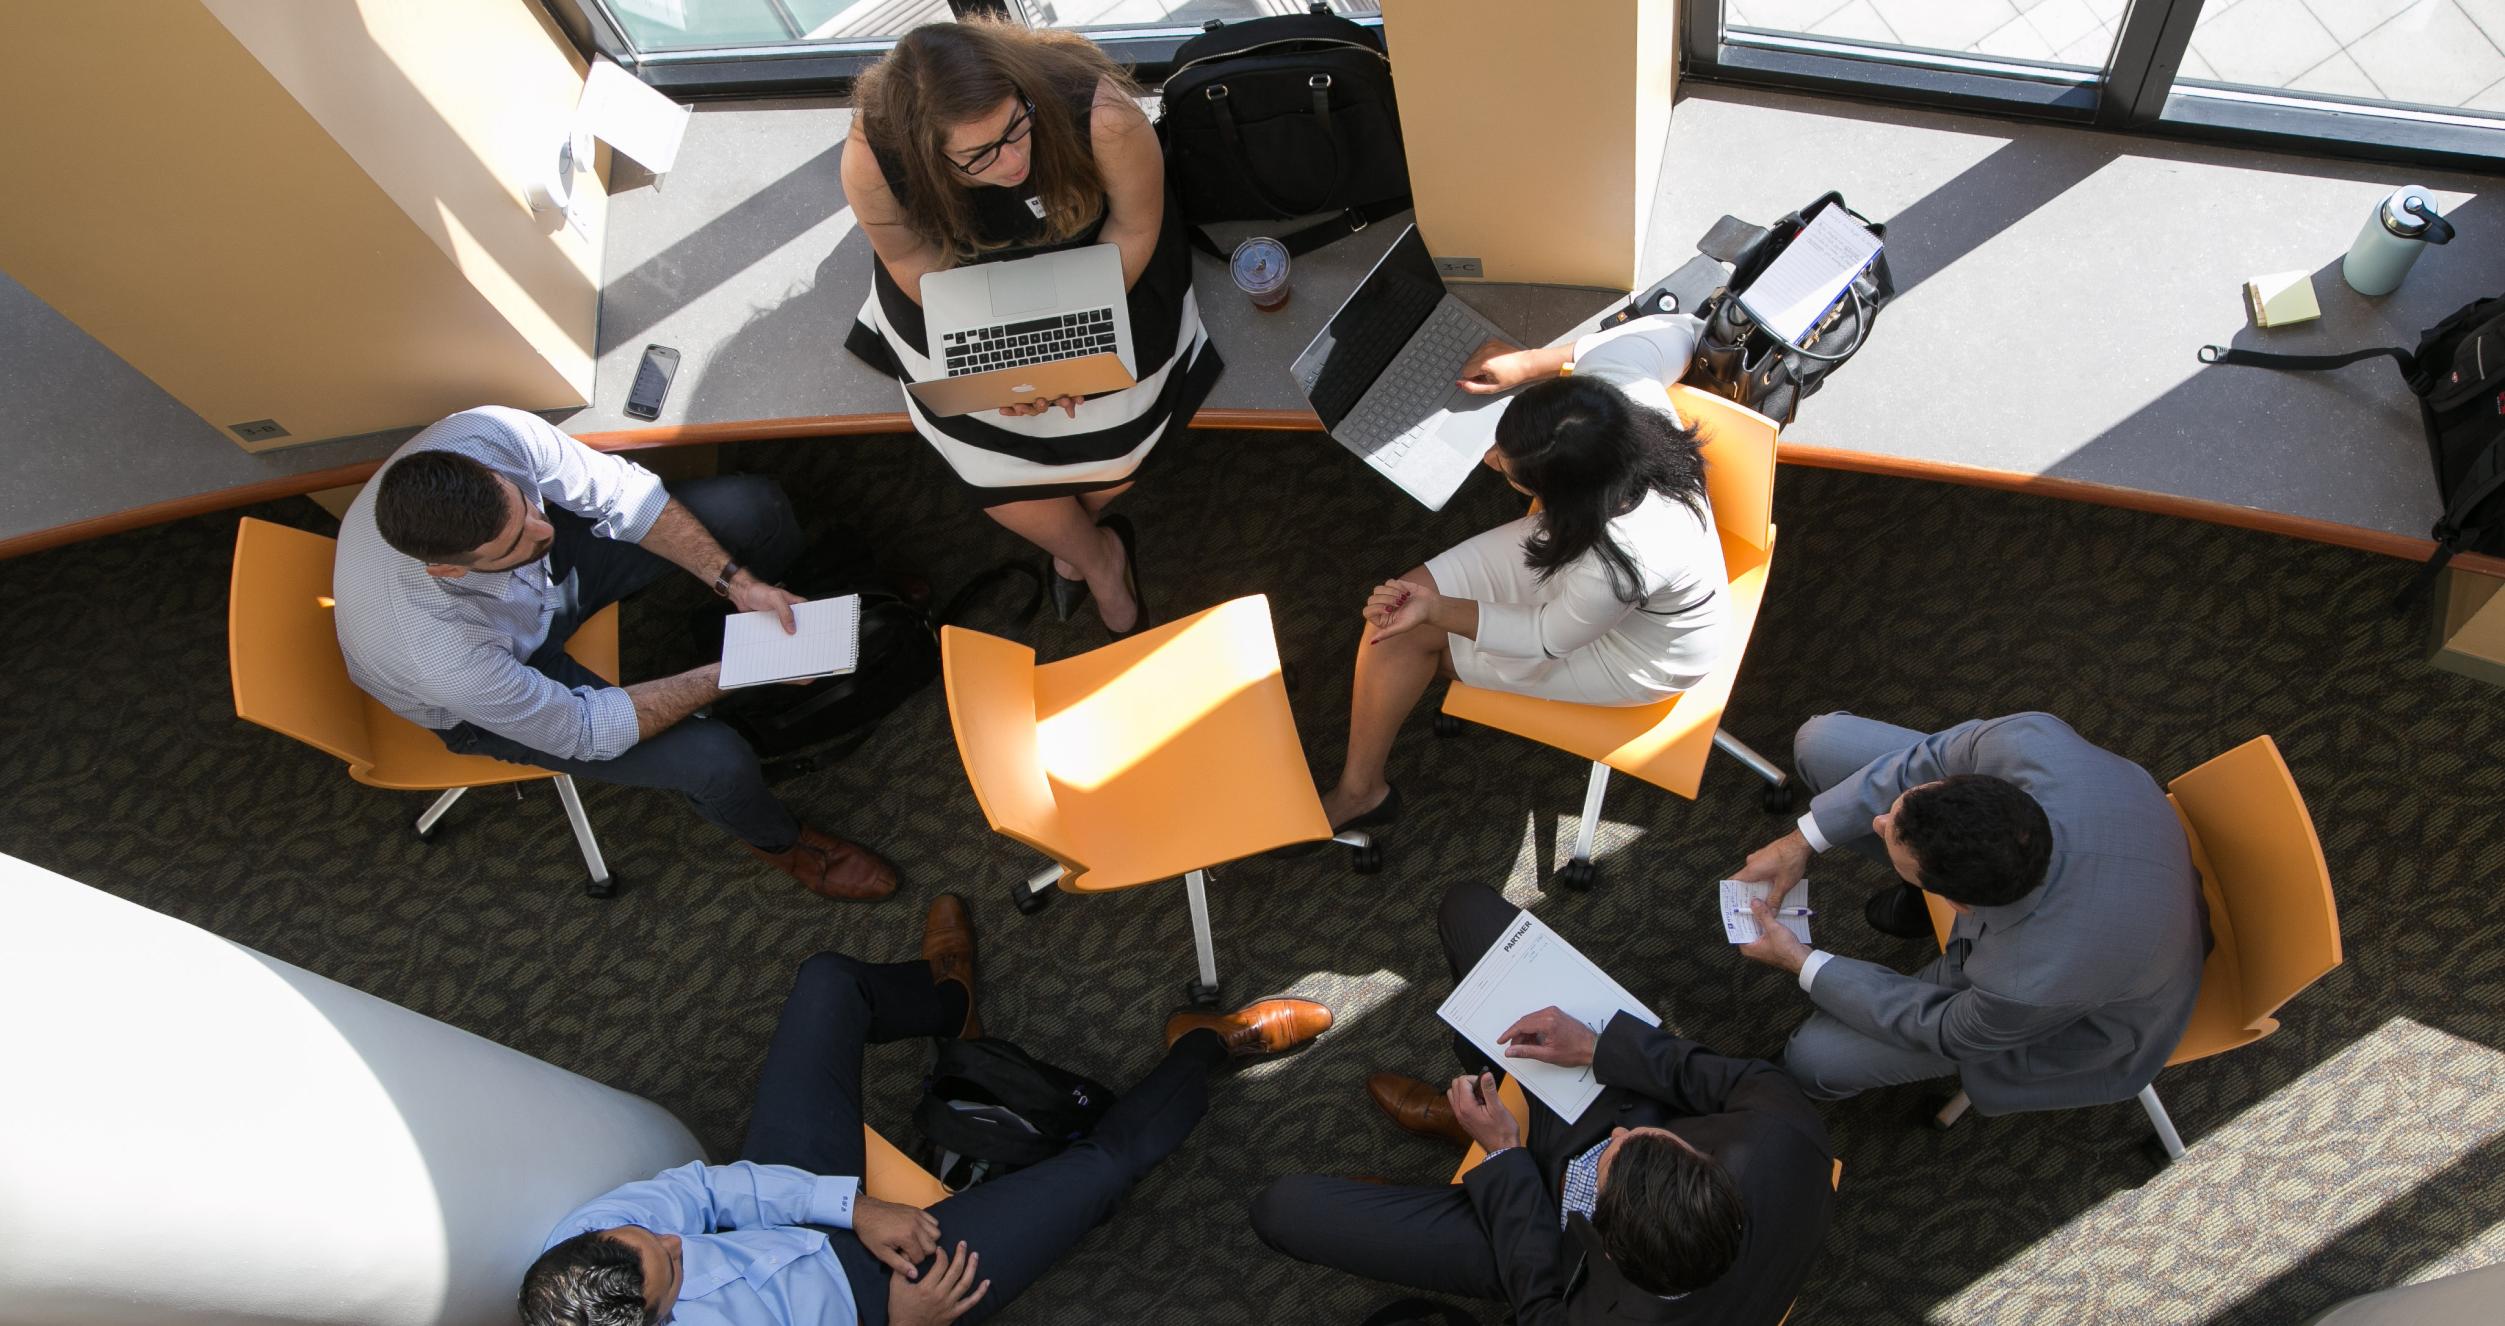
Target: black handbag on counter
x=1275 y=118
x=1740 y=359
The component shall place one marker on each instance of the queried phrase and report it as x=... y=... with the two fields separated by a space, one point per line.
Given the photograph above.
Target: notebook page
x=1804 y=280
x=1528 y=968
x=755 y=650
x=1740 y=923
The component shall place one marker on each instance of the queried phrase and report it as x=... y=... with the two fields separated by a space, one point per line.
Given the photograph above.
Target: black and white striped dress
x=1013 y=459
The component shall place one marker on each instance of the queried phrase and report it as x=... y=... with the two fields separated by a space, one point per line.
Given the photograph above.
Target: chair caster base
x=1447 y=726
x=1201 y=993
x=604 y=887
x=1031 y=900
x=1780 y=798
x=1579 y=875
x=1365 y=860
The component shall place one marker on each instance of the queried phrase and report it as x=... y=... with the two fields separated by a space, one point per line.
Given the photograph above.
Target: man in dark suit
x=1695 y=1189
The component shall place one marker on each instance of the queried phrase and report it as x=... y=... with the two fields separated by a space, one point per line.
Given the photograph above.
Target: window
x=2416 y=80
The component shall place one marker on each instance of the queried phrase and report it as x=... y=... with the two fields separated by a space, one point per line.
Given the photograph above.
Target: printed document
x=1528 y=968
x=827 y=644
x=1803 y=281
x=1740 y=923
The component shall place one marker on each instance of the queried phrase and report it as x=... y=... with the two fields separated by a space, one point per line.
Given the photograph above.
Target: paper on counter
x=618 y=109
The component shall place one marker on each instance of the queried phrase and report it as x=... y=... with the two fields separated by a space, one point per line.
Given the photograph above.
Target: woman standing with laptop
x=1611 y=592
x=979 y=141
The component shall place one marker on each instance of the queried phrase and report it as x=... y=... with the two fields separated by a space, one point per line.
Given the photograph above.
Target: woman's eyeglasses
x=1020 y=125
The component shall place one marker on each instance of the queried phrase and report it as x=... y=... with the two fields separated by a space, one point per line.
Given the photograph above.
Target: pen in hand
x=1779 y=911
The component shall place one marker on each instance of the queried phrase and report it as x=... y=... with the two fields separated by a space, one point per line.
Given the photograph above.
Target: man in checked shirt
x=481 y=547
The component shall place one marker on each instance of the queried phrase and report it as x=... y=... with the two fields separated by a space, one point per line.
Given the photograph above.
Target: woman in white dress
x=1611 y=592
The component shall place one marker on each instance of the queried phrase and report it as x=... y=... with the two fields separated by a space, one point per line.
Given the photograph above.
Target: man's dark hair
x=1668 y=1218
x=439 y=506
x=588 y=1280
x=1979 y=840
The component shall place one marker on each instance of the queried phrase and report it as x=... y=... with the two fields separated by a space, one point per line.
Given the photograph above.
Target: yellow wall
x=1559 y=110
x=302 y=212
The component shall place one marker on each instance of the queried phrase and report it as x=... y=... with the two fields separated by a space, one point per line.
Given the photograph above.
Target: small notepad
x=2280 y=299
x=1741 y=924
x=827 y=644
x=1806 y=279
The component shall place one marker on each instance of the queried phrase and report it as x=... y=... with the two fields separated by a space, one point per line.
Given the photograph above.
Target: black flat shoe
x=1068 y=595
x=1899 y=911
x=1121 y=527
x=1385 y=812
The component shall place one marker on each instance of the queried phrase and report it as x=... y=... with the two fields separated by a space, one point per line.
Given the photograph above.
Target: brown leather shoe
x=1417 y=1106
x=835 y=868
x=948 y=945
x=1260 y=1028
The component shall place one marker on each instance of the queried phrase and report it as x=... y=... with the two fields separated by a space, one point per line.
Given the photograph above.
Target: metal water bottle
x=2401 y=226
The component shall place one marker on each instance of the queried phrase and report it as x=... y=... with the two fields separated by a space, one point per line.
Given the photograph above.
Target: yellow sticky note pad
x=2276 y=301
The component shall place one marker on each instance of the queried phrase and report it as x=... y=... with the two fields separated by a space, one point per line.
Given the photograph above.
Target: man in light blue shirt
x=487 y=540
x=762 y=1242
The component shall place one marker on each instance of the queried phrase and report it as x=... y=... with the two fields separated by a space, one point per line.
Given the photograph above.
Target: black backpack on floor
x=1275 y=118
x=989 y=1108
x=2458 y=375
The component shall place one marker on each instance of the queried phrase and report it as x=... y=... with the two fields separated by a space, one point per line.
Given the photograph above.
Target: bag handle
x=1320 y=86
x=2220 y=354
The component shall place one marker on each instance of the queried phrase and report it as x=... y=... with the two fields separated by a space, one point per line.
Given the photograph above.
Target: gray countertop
x=2054 y=282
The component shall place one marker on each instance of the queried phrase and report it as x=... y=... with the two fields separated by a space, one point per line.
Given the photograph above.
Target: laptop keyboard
x=1369 y=346
x=1414 y=386
x=1036 y=341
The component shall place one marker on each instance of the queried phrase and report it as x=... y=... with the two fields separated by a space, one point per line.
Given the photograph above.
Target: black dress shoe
x=1384 y=812
x=1121 y=527
x=1899 y=911
x=1068 y=595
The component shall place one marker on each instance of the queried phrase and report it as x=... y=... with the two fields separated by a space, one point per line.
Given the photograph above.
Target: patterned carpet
x=2359 y=1147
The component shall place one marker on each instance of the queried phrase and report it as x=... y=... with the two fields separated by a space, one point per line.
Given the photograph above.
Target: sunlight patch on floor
x=2260 y=1194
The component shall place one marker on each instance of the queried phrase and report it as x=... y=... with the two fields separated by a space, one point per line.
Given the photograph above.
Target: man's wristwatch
x=722 y=581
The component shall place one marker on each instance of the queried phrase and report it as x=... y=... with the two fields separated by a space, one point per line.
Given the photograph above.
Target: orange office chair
x=1152 y=757
x=289 y=677
x=891 y=1176
x=2276 y=927
x=1665 y=744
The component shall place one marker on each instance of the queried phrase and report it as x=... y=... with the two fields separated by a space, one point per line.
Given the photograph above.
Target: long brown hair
x=944 y=74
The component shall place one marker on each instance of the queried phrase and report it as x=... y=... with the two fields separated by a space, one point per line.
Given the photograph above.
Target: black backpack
x=2458 y=375
x=899 y=656
x=989 y=1108
x=1276 y=118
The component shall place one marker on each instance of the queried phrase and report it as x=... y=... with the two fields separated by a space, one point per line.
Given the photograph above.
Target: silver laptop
x=1054 y=325
x=1384 y=376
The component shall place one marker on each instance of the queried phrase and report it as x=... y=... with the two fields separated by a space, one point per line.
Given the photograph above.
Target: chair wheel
x=604 y=887
x=1579 y=875
x=1200 y=993
x=1780 y=798
x=1365 y=860
x=1447 y=726
x=427 y=835
x=2153 y=1151
x=1031 y=901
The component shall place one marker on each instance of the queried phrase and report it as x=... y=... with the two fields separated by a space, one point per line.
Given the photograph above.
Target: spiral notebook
x=827 y=643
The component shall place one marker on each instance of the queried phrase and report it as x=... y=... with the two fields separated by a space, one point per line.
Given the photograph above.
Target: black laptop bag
x=2458 y=375
x=1276 y=118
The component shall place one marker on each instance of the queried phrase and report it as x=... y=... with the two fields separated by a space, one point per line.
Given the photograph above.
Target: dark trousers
x=808 y=1115
x=705 y=761
x=1423 y=1237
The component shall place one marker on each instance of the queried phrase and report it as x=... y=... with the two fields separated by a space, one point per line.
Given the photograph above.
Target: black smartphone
x=652 y=382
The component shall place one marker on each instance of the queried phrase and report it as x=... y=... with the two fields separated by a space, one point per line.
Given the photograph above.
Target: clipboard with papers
x=1795 y=291
x=1528 y=968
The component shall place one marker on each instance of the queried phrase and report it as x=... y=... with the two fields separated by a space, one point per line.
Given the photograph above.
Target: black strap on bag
x=2457 y=374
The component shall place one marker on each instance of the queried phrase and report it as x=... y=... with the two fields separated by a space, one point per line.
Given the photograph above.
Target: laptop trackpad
x=1022 y=287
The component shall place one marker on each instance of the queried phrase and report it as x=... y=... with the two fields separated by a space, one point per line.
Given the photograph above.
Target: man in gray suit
x=2076 y=955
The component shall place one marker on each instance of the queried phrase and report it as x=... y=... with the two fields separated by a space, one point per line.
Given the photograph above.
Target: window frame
x=2134 y=93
